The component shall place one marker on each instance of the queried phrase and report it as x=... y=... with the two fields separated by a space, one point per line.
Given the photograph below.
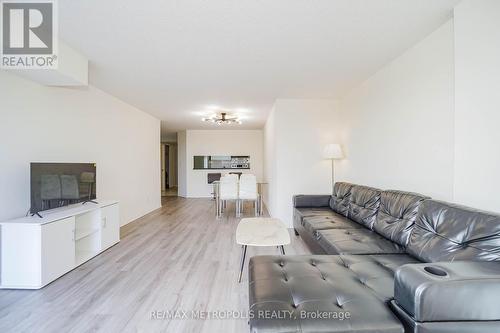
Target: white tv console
x=36 y=251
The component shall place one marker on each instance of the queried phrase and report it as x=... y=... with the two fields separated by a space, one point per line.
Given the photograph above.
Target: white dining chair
x=248 y=192
x=228 y=191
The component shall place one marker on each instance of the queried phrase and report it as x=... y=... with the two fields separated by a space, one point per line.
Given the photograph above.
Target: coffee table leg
x=282 y=248
x=243 y=255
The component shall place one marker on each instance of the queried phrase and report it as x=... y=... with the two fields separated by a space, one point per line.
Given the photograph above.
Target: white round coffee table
x=261 y=231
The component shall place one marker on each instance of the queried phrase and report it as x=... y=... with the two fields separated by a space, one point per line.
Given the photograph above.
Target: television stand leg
x=37 y=214
x=92 y=201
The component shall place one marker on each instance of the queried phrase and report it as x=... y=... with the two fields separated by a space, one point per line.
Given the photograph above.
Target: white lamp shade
x=333 y=151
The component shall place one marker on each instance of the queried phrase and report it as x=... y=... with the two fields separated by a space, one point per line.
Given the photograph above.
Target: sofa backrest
x=364 y=202
x=449 y=232
x=396 y=215
x=339 y=202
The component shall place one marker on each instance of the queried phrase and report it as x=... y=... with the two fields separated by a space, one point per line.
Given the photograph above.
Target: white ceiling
x=174 y=59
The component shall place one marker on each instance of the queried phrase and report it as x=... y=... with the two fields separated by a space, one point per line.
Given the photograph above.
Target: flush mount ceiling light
x=223 y=119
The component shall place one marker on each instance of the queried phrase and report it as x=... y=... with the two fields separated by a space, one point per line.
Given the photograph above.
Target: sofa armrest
x=449 y=291
x=311 y=201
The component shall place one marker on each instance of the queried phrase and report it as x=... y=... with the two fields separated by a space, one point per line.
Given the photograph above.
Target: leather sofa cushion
x=444 y=326
x=355 y=241
x=396 y=215
x=339 y=201
x=449 y=232
x=314 y=223
x=311 y=200
x=300 y=213
x=363 y=205
x=359 y=285
x=449 y=291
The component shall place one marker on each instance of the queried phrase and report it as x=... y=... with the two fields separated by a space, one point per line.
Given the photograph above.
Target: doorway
x=167 y=165
x=168 y=169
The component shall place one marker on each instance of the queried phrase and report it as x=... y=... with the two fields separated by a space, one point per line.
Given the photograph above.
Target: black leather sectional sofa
x=384 y=261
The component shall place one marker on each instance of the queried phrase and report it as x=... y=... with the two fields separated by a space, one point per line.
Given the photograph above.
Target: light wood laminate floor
x=177 y=258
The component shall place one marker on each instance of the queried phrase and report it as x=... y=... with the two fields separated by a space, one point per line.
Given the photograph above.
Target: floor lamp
x=333 y=151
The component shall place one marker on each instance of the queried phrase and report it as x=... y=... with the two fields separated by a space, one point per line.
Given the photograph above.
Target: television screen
x=60 y=184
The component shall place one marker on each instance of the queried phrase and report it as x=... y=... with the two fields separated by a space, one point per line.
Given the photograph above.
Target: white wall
x=172 y=172
x=296 y=134
x=269 y=191
x=426 y=122
x=182 y=164
x=477 y=103
x=220 y=142
x=46 y=124
x=398 y=126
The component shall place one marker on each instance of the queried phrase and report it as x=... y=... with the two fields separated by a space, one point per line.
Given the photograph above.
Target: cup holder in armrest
x=435 y=271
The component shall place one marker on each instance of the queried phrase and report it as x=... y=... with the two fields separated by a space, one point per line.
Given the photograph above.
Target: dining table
x=216 y=185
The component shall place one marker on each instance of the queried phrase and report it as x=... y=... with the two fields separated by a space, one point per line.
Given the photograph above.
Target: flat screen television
x=55 y=185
